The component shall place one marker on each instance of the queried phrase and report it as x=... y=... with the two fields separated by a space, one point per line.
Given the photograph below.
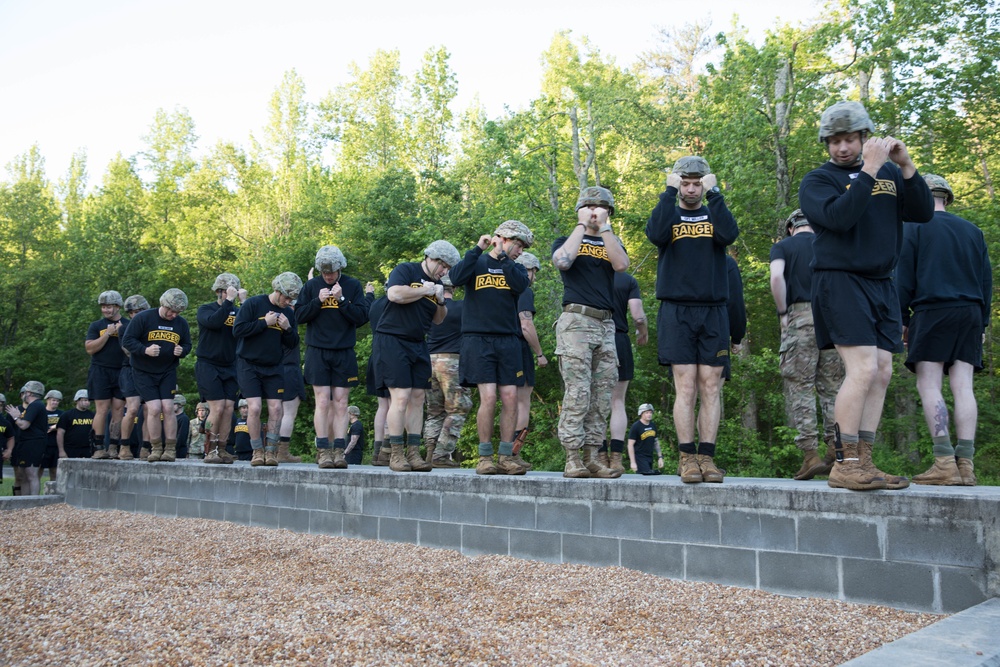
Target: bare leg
x=686 y=387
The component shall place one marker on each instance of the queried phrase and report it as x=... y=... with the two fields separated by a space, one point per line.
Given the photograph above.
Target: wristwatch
x=714 y=190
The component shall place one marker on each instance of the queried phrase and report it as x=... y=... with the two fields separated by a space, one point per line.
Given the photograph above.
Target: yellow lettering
x=591 y=250
x=113 y=333
x=487 y=281
x=231 y=320
x=693 y=230
x=883 y=187
x=168 y=336
x=330 y=302
x=648 y=434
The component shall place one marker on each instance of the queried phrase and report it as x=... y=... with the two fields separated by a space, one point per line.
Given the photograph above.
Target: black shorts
x=295 y=387
x=355 y=456
x=244 y=456
x=78 y=452
x=528 y=360
x=102 y=383
x=401 y=363
x=155 y=386
x=626 y=364
x=692 y=334
x=851 y=310
x=490 y=360
x=370 y=387
x=946 y=335
x=331 y=368
x=216 y=383
x=29 y=453
x=51 y=458
x=126 y=382
x=267 y=382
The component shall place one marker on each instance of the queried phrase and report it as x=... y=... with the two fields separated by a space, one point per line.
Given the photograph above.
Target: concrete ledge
x=931 y=549
x=26 y=502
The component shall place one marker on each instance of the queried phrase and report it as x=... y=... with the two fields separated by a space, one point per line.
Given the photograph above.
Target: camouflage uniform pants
x=589 y=367
x=808 y=372
x=447 y=404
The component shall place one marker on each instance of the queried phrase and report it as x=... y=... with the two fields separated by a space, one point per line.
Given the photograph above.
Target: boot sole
x=874 y=486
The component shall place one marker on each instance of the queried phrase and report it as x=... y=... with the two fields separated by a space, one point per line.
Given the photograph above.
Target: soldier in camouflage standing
x=587 y=260
x=806 y=370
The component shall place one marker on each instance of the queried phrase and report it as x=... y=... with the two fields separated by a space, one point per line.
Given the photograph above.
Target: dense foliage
x=382 y=165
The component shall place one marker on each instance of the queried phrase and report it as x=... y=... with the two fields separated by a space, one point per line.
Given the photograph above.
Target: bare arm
x=531 y=336
x=631 y=454
x=565 y=255
x=639 y=317
x=779 y=290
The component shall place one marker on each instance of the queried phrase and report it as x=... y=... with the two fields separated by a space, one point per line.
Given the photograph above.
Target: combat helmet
x=844 y=117
x=443 y=251
x=33 y=387
x=136 y=302
x=287 y=283
x=110 y=298
x=691 y=166
x=796 y=219
x=225 y=281
x=54 y=393
x=595 y=195
x=940 y=187
x=528 y=261
x=644 y=408
x=330 y=259
x=517 y=230
x=174 y=299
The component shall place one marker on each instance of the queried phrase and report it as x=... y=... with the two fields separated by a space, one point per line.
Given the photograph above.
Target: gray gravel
x=84 y=587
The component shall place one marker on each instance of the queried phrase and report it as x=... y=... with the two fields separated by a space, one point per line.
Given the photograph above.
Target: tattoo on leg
x=940 y=419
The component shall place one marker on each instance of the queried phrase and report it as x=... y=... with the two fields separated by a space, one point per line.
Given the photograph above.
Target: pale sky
x=92 y=73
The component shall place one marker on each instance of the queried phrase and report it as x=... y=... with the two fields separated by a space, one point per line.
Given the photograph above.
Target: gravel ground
x=84 y=587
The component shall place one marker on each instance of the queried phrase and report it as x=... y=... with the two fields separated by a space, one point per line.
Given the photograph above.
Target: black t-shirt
x=644 y=436
x=357 y=429
x=257 y=342
x=797 y=251
x=590 y=280
x=525 y=304
x=492 y=289
x=446 y=337
x=50 y=430
x=6 y=430
x=38 y=422
x=330 y=324
x=626 y=288
x=216 y=343
x=148 y=328
x=240 y=435
x=410 y=321
x=111 y=355
x=76 y=424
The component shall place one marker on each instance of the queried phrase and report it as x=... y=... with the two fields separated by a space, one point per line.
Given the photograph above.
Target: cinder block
x=621 y=520
x=464 y=508
x=178 y=487
x=937 y=541
x=345 y=498
x=757 y=530
x=510 y=512
x=312 y=496
x=253 y=493
x=213 y=509
x=144 y=504
x=126 y=502
x=380 y=502
x=107 y=500
x=721 y=565
x=661 y=559
x=807 y=575
x=899 y=585
x=281 y=494
x=536 y=545
x=420 y=505
x=326 y=523
x=157 y=484
x=680 y=524
x=189 y=508
x=589 y=550
x=264 y=516
x=202 y=489
x=961 y=588
x=479 y=540
x=391 y=529
x=293 y=519
x=854 y=538
x=440 y=535
x=562 y=516
x=238 y=513
x=361 y=526
x=74 y=496
x=228 y=491
x=166 y=506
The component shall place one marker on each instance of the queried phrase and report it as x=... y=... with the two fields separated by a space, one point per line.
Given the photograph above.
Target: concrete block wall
x=923 y=548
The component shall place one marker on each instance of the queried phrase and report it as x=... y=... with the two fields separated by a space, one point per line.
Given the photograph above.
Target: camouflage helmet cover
x=940 y=187
x=81 y=394
x=329 y=259
x=54 y=393
x=3 y=399
x=287 y=283
x=796 y=219
x=842 y=118
x=136 y=302
x=353 y=410
x=645 y=407
x=179 y=399
x=691 y=166
x=33 y=387
x=242 y=404
x=174 y=299
x=528 y=261
x=225 y=281
x=595 y=195
x=515 y=229
x=110 y=298
x=443 y=251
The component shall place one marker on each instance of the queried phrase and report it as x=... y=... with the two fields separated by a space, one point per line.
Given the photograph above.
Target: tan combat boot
x=709 y=471
x=156 y=452
x=445 y=461
x=383 y=457
x=144 y=453
x=169 y=454
x=416 y=461
x=100 y=454
x=689 y=469
x=944 y=472
x=125 y=453
x=212 y=454
x=324 y=459
x=616 y=462
x=604 y=459
x=508 y=465
x=967 y=471
x=812 y=465
x=594 y=466
x=574 y=465
x=397 y=459
x=486 y=466
x=850 y=474
x=892 y=482
x=270 y=455
x=285 y=454
x=339 y=460
x=258 y=457
x=521 y=462
x=429 y=446
x=112 y=451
